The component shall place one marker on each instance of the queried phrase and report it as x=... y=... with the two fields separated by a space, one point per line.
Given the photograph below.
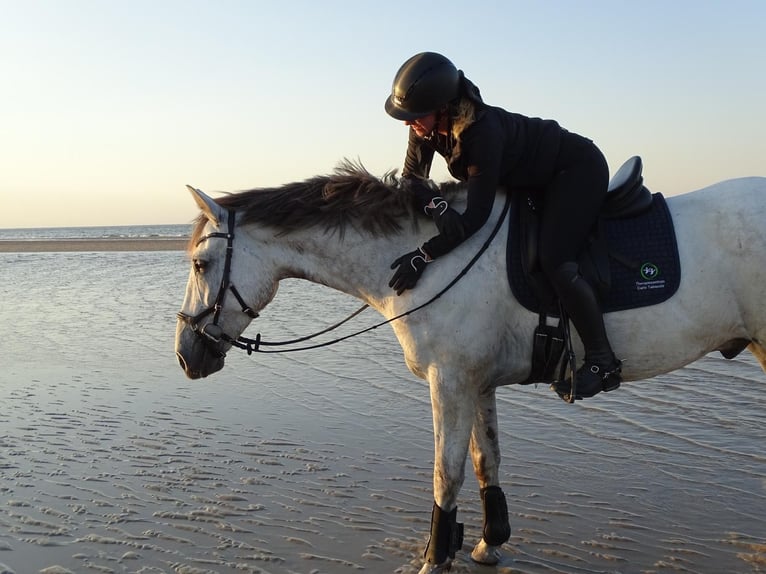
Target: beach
x=111 y=461
x=68 y=245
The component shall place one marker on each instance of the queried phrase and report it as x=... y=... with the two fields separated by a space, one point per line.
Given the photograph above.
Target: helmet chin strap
x=438 y=116
x=434 y=130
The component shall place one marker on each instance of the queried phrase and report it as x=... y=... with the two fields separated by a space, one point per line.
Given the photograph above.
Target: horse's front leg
x=453 y=404
x=485 y=455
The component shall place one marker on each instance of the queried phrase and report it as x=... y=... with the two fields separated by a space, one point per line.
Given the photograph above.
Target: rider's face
x=423 y=126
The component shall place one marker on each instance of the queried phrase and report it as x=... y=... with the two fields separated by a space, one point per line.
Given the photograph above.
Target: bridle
x=211 y=334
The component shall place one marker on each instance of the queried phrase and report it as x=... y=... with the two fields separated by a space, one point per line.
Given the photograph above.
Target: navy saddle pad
x=645 y=269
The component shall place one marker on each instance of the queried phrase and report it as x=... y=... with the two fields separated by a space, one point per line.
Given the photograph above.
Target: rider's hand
x=448 y=221
x=410 y=268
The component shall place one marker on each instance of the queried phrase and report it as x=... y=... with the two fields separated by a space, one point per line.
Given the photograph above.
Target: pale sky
x=110 y=107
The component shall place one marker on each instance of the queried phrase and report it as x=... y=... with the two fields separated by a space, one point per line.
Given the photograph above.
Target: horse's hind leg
x=485 y=455
x=759 y=351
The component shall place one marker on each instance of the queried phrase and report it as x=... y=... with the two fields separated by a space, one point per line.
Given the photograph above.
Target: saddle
x=631 y=260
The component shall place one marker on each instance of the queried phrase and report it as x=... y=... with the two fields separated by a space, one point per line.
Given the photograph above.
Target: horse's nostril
x=181 y=361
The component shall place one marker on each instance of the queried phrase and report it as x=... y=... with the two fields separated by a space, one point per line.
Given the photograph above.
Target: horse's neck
x=358 y=264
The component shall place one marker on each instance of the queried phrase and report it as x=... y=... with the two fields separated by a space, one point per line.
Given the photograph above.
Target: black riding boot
x=601 y=370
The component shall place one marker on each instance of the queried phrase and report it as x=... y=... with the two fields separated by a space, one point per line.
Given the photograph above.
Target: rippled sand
x=112 y=461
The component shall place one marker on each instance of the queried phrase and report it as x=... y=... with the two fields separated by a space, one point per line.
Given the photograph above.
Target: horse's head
x=227 y=287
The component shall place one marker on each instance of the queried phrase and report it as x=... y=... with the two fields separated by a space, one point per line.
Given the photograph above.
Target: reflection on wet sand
x=111 y=461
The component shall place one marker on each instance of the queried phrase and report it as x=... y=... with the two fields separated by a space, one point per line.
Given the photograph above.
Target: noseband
x=211 y=333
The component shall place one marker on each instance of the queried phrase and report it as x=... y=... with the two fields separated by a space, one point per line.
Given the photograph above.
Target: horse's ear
x=210 y=208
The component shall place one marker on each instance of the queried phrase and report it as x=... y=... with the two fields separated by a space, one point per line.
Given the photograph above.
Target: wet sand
x=69 y=245
x=111 y=461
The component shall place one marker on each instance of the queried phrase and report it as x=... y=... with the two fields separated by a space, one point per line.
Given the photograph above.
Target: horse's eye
x=199 y=265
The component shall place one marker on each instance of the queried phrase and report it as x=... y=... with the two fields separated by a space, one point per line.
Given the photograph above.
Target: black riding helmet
x=424 y=83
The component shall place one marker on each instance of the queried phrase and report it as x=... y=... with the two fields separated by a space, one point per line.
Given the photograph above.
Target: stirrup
x=605 y=380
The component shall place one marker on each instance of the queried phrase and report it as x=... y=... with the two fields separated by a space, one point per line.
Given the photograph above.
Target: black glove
x=411 y=266
x=448 y=221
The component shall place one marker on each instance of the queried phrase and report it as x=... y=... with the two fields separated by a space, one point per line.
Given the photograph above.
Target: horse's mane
x=348 y=196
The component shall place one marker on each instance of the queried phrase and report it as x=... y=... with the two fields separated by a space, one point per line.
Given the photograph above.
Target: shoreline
x=102 y=244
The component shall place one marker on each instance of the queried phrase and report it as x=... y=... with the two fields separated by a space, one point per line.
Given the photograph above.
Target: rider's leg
x=601 y=369
x=572 y=202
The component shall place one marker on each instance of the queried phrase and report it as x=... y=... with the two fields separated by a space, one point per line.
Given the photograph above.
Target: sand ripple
x=112 y=462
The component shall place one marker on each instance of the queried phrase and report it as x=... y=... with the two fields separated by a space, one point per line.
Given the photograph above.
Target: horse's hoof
x=485 y=554
x=436 y=568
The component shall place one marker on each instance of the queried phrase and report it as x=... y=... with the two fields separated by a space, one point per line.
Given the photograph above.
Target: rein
x=216 y=334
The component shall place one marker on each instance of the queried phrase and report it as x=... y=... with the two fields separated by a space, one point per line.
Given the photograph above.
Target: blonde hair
x=463 y=117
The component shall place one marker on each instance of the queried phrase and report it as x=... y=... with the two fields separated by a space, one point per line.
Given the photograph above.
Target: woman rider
x=489 y=147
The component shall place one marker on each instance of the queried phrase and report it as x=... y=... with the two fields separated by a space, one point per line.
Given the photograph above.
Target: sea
x=170 y=231
x=112 y=461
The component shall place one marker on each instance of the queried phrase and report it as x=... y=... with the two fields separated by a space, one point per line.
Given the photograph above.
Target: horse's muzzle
x=199 y=369
x=199 y=350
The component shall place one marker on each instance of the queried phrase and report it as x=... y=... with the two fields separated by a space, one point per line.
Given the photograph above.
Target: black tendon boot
x=446 y=536
x=601 y=370
x=497 y=529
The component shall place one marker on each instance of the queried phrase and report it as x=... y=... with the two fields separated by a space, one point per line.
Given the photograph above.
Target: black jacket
x=499 y=148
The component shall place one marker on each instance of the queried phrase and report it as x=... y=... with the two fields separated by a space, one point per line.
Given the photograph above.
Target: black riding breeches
x=572 y=201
